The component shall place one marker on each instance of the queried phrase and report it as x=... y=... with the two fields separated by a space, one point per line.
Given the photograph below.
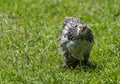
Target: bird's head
x=82 y=29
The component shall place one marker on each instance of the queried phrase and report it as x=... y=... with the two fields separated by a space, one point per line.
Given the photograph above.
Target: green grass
x=29 y=49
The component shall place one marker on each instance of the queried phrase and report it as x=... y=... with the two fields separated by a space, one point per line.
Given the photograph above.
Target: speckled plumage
x=76 y=42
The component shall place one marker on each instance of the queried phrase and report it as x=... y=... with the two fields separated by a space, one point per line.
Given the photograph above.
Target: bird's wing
x=64 y=38
x=89 y=36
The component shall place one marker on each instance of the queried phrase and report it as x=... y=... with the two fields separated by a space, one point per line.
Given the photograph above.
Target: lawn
x=29 y=46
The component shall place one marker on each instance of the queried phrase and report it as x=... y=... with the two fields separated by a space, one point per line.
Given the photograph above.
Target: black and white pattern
x=76 y=42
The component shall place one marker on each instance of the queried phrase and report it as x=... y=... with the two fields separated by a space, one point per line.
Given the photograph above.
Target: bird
x=76 y=42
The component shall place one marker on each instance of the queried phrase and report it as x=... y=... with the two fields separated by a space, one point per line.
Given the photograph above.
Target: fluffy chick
x=76 y=42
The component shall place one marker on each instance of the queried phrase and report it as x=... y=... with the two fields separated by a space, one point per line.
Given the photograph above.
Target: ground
x=29 y=46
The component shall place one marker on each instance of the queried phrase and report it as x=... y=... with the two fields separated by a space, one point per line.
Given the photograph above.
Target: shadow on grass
x=84 y=68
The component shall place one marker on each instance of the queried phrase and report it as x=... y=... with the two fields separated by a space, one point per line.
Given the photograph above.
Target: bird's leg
x=86 y=60
x=70 y=62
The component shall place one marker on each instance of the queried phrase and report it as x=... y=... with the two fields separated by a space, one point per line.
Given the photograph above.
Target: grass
x=29 y=49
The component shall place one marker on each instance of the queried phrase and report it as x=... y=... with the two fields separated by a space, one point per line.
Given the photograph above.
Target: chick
x=76 y=42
